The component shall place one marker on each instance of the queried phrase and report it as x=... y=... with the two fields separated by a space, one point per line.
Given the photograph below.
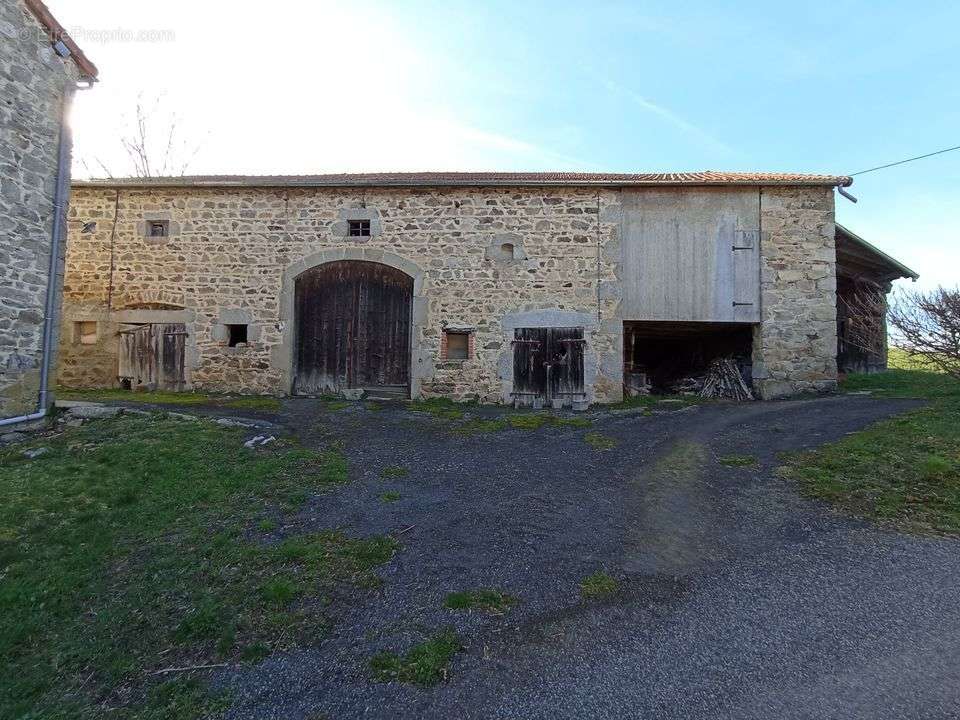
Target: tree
x=152 y=144
x=927 y=327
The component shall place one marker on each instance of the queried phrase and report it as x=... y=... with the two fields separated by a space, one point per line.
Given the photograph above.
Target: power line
x=901 y=162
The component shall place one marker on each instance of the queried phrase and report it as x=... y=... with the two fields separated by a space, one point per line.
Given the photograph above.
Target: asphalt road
x=739 y=598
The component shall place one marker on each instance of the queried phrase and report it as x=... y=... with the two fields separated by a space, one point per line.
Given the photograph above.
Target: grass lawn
x=135 y=546
x=905 y=471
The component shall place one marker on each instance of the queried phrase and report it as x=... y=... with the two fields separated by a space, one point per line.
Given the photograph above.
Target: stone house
x=40 y=69
x=528 y=288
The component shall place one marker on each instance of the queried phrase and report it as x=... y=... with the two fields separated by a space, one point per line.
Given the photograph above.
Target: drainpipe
x=51 y=310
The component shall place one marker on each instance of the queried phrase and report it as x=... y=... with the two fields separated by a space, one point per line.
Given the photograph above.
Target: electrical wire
x=901 y=162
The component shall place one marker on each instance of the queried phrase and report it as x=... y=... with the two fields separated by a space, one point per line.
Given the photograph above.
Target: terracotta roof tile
x=407 y=179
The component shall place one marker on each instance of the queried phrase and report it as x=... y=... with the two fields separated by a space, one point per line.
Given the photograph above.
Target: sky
x=311 y=87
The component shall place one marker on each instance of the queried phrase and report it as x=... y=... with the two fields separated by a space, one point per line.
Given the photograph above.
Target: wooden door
x=548 y=363
x=152 y=356
x=353 y=327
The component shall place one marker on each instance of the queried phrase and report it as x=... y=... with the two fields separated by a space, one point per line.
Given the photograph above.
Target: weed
x=389 y=497
x=394 y=471
x=255 y=652
x=267 y=525
x=598 y=585
x=423 y=664
x=599 y=441
x=492 y=601
x=278 y=591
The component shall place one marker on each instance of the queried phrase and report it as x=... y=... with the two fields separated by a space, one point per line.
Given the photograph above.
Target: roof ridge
x=472 y=178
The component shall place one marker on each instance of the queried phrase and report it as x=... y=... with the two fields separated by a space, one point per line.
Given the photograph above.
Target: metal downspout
x=51 y=310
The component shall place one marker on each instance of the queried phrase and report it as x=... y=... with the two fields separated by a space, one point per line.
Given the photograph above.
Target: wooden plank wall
x=691 y=254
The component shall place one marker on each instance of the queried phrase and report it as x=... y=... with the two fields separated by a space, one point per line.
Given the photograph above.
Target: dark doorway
x=671 y=357
x=548 y=364
x=353 y=328
x=152 y=356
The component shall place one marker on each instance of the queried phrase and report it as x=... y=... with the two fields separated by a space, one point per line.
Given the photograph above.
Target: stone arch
x=421 y=363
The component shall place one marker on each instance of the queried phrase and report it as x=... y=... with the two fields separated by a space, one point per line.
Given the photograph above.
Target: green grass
x=599 y=441
x=125 y=550
x=903 y=472
x=389 y=497
x=336 y=405
x=423 y=664
x=520 y=421
x=440 y=408
x=738 y=460
x=598 y=585
x=488 y=600
x=904 y=384
x=394 y=471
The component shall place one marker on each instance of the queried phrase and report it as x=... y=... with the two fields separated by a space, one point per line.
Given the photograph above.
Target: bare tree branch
x=927 y=326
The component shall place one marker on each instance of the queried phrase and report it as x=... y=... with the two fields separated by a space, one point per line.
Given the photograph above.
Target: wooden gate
x=151 y=356
x=353 y=328
x=548 y=363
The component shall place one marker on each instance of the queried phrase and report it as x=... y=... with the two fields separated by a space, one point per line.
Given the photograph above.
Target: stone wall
x=232 y=255
x=233 y=250
x=795 y=345
x=33 y=83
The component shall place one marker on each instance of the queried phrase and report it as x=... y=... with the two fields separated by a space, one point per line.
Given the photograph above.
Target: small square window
x=158 y=228
x=458 y=345
x=85 y=332
x=359 y=228
x=236 y=334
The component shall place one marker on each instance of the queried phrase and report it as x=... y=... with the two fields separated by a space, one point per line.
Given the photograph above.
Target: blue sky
x=323 y=87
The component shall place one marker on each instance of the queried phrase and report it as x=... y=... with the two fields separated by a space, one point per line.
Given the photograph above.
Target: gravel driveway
x=739 y=598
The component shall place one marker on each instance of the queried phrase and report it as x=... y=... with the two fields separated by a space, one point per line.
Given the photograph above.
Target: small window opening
x=507 y=250
x=458 y=345
x=85 y=332
x=236 y=334
x=157 y=228
x=359 y=228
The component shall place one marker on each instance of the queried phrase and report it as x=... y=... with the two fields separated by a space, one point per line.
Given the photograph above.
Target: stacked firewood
x=723 y=380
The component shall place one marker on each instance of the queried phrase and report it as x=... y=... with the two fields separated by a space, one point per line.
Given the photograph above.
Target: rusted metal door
x=152 y=356
x=548 y=363
x=353 y=327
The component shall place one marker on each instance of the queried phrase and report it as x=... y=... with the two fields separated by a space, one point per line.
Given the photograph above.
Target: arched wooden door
x=353 y=328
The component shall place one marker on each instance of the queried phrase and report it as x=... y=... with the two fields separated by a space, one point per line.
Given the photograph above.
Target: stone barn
x=527 y=288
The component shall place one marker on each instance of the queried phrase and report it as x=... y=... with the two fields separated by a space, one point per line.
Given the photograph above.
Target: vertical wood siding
x=691 y=255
